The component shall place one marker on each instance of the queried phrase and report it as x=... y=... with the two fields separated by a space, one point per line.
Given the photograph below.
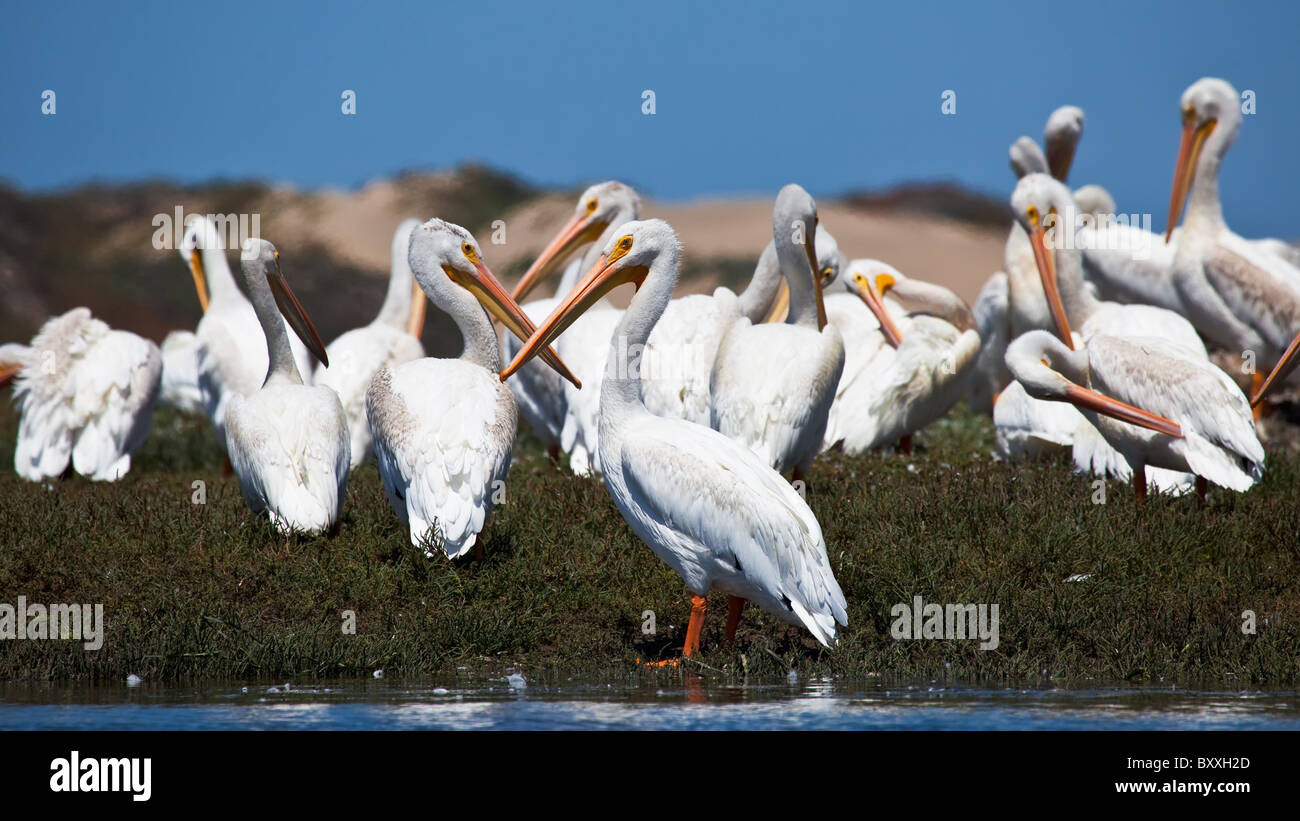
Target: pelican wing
x=723 y=512
x=1257 y=286
x=677 y=362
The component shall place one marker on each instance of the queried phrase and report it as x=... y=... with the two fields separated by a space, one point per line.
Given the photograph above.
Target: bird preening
x=702 y=415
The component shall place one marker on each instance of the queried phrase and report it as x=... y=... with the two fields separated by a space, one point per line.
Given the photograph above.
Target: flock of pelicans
x=692 y=409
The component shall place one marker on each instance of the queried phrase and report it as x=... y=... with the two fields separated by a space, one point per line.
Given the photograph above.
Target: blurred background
x=480 y=112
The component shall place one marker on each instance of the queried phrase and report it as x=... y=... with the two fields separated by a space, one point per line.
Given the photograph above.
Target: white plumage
x=85 y=394
x=180 y=374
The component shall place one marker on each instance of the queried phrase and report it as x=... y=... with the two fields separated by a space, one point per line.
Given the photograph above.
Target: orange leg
x=905 y=444
x=735 y=605
x=1202 y=489
x=796 y=475
x=696 y=625
x=227 y=469
x=1140 y=483
x=554 y=452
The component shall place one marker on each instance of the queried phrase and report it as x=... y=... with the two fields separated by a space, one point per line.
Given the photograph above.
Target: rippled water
x=514 y=704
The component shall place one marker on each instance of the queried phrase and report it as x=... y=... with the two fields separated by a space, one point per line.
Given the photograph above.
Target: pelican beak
x=1189 y=152
x=604 y=276
x=1280 y=371
x=1046 y=262
x=415 y=321
x=200 y=278
x=811 y=250
x=579 y=231
x=1060 y=156
x=780 y=305
x=295 y=314
x=1090 y=399
x=492 y=295
x=873 y=297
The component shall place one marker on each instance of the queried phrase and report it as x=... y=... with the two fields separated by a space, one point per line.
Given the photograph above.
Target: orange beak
x=200 y=278
x=1189 y=152
x=415 y=321
x=875 y=301
x=811 y=251
x=1090 y=399
x=491 y=294
x=1283 y=368
x=1046 y=262
x=579 y=231
x=604 y=276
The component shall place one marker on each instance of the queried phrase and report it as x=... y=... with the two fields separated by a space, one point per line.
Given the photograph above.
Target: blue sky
x=749 y=95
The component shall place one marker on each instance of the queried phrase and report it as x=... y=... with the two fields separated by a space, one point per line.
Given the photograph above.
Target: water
x=512 y=703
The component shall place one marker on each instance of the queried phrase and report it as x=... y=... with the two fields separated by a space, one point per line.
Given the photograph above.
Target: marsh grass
x=201 y=591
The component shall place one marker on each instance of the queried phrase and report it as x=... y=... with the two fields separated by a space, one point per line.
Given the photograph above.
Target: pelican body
x=705 y=504
x=773 y=384
x=85 y=394
x=443 y=429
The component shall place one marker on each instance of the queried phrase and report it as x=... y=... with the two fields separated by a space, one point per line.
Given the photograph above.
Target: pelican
x=1027 y=426
x=443 y=428
x=85 y=394
x=393 y=337
x=1237 y=296
x=919 y=367
x=705 y=504
x=677 y=363
x=180 y=374
x=1153 y=404
x=560 y=415
x=830 y=261
x=288 y=442
x=232 y=346
x=773 y=384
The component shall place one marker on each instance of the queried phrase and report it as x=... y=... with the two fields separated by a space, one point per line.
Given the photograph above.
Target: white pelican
x=1236 y=296
x=919 y=367
x=180 y=376
x=288 y=442
x=85 y=393
x=559 y=413
x=1028 y=426
x=773 y=384
x=443 y=428
x=1153 y=404
x=232 y=347
x=393 y=337
x=705 y=504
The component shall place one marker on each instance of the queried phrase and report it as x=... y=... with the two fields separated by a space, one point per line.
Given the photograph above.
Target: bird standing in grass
x=443 y=428
x=707 y=505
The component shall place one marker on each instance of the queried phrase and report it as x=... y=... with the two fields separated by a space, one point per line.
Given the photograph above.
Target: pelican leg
x=735 y=605
x=554 y=452
x=905 y=444
x=227 y=469
x=1202 y=490
x=1140 y=483
x=695 y=626
x=796 y=475
x=1263 y=408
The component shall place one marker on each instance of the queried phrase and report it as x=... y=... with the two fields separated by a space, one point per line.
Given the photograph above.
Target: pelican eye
x=1032 y=213
x=591 y=205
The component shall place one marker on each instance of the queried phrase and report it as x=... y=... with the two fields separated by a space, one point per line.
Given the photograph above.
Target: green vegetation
x=210 y=591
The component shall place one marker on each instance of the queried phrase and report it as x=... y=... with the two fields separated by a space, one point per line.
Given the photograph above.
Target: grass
x=200 y=591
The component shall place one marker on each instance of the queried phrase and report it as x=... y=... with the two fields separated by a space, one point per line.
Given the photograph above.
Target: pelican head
x=1049 y=370
x=830 y=262
x=869 y=279
x=1211 y=114
x=260 y=266
x=599 y=207
x=449 y=267
x=794 y=223
x=200 y=236
x=627 y=256
x=1061 y=137
x=1027 y=158
x=1094 y=199
x=1041 y=205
